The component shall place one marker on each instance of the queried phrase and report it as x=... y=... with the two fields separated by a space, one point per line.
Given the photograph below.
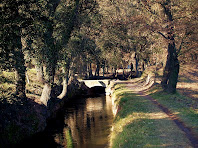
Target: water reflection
x=87 y=123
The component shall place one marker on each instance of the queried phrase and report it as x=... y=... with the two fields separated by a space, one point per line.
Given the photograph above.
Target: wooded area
x=67 y=36
x=64 y=38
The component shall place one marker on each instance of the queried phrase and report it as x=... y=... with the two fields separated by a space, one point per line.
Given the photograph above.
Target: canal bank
x=55 y=113
x=139 y=122
x=83 y=122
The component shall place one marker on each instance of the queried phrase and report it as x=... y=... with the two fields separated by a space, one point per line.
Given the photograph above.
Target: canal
x=83 y=123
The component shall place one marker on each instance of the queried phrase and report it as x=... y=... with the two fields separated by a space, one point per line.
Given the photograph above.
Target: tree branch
x=179 y=49
x=162 y=34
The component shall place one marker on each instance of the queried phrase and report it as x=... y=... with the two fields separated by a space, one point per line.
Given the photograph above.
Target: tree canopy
x=73 y=35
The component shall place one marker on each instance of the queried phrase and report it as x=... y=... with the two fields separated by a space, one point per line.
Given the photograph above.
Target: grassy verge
x=185 y=107
x=139 y=123
x=7 y=85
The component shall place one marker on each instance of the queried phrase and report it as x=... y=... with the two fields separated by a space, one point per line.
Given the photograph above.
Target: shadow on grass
x=189 y=93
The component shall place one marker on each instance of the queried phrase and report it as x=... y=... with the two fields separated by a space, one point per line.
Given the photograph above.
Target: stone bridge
x=94 y=83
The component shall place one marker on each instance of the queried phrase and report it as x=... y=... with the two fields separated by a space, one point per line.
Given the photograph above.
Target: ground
x=171 y=119
x=188 y=81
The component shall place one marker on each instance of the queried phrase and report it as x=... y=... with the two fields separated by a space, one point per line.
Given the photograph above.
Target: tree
x=14 y=17
x=167 y=18
x=51 y=59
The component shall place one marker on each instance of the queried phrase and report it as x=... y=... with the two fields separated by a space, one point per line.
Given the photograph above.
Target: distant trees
x=139 y=25
x=168 y=18
x=70 y=36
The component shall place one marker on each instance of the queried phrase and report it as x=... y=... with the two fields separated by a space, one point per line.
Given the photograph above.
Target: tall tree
x=168 y=19
x=14 y=17
x=64 y=21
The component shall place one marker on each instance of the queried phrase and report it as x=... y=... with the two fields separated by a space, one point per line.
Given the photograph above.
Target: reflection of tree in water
x=90 y=123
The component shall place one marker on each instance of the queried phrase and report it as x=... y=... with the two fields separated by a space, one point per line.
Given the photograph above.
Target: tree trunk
x=47 y=90
x=27 y=78
x=20 y=68
x=46 y=94
x=131 y=67
x=171 y=70
x=103 y=70
x=143 y=66
x=90 y=71
x=107 y=69
x=116 y=73
x=97 y=70
x=123 y=75
x=39 y=73
x=136 y=65
x=20 y=81
x=65 y=83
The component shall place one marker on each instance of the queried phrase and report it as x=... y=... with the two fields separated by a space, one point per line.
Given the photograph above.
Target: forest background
x=51 y=41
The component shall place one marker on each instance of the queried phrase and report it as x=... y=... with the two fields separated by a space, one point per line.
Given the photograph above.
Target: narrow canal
x=83 y=123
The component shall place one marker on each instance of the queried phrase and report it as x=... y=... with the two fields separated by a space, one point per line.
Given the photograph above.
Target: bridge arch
x=96 y=83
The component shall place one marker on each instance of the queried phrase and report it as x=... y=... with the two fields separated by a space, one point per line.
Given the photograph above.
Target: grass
x=185 y=107
x=7 y=85
x=69 y=138
x=139 y=123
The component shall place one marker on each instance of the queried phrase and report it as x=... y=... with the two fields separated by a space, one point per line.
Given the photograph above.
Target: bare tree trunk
x=46 y=94
x=39 y=73
x=65 y=83
x=47 y=90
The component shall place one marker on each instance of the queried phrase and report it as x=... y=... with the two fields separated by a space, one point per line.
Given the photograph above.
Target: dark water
x=84 y=123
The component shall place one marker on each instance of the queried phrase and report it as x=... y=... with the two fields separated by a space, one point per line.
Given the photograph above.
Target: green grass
x=139 y=123
x=69 y=138
x=186 y=108
x=7 y=85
